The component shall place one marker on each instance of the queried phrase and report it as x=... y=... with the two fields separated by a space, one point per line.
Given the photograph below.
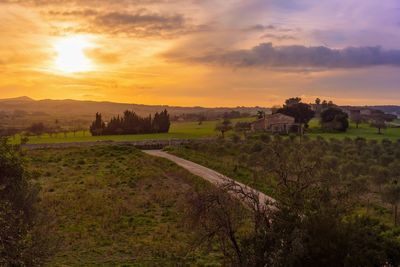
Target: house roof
x=275 y=117
x=278 y=116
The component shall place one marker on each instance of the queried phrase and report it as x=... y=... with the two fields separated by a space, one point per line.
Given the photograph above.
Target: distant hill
x=21 y=99
x=69 y=108
x=388 y=108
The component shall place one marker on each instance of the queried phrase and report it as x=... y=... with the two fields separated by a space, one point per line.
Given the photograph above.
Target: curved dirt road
x=210 y=175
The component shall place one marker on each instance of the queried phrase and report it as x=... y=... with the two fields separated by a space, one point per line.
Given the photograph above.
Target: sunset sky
x=201 y=52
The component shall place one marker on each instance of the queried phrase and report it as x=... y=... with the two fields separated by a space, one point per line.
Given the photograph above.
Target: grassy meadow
x=192 y=130
x=364 y=130
x=116 y=206
x=178 y=130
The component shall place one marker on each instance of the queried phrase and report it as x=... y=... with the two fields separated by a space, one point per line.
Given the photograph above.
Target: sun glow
x=71 y=56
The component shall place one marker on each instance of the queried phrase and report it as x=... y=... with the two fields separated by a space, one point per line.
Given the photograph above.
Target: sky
x=201 y=52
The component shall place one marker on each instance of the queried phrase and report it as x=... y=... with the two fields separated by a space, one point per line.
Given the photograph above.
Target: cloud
x=298 y=57
x=137 y=18
x=141 y=23
x=137 y=23
x=260 y=27
x=73 y=13
x=278 y=37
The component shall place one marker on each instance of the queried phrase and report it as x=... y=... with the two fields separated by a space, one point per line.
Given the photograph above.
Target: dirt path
x=210 y=175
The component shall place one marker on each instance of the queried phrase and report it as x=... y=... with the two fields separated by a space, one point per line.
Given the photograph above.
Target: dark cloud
x=260 y=27
x=278 y=37
x=141 y=23
x=126 y=21
x=296 y=56
x=115 y=17
x=74 y=13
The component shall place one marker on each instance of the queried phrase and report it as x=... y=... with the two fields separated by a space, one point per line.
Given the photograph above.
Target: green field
x=178 y=130
x=364 y=130
x=116 y=206
x=192 y=130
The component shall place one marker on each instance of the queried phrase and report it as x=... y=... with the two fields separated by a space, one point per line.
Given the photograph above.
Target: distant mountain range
x=70 y=107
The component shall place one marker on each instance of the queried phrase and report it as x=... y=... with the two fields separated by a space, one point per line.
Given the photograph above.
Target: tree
x=97 y=126
x=334 y=119
x=380 y=175
x=21 y=229
x=318 y=101
x=37 y=128
x=301 y=112
x=357 y=119
x=292 y=101
x=319 y=185
x=165 y=122
x=260 y=114
x=131 y=123
x=252 y=233
x=200 y=119
x=391 y=195
x=379 y=123
x=324 y=104
x=224 y=126
x=243 y=127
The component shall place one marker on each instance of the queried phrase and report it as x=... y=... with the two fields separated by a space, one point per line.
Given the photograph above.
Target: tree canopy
x=295 y=108
x=131 y=123
x=334 y=119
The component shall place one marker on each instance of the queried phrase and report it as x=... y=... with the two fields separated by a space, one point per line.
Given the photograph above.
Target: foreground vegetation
x=113 y=206
x=337 y=201
x=370 y=168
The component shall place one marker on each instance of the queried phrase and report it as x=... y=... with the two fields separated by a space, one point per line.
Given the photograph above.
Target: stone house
x=275 y=123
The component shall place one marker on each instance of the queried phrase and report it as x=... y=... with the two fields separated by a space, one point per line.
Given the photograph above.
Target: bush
x=22 y=235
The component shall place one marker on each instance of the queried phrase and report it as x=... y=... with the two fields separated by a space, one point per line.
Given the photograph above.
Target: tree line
x=131 y=123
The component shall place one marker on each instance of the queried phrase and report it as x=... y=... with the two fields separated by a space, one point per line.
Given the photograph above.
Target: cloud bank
x=297 y=56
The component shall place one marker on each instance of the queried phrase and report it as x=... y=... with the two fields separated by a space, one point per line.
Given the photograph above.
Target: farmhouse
x=275 y=123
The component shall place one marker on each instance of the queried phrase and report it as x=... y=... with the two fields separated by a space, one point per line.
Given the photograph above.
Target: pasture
x=115 y=206
x=364 y=130
x=178 y=130
x=192 y=130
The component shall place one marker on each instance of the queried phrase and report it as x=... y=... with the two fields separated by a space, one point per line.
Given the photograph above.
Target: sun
x=71 y=56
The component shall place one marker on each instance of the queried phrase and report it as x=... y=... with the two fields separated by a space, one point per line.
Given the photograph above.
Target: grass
x=224 y=158
x=116 y=206
x=192 y=130
x=179 y=130
x=364 y=130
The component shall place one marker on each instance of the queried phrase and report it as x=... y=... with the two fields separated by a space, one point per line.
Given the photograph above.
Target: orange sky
x=203 y=53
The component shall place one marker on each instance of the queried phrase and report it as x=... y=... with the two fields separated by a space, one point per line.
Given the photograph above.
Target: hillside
x=70 y=107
